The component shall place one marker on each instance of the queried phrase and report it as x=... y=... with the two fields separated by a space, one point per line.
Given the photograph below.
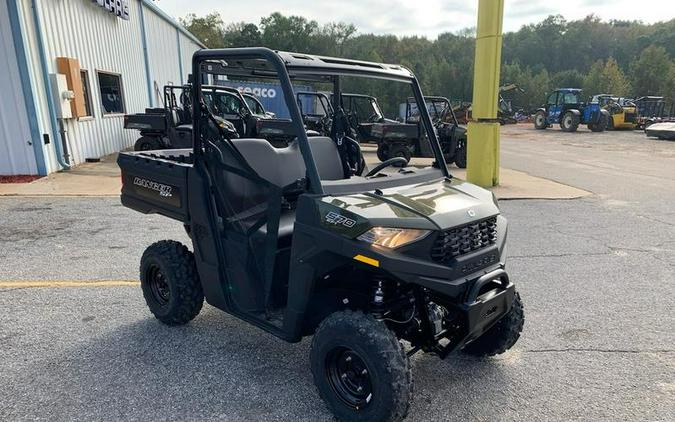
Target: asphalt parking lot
x=596 y=276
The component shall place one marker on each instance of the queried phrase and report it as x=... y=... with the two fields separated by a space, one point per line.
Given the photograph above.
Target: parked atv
x=451 y=135
x=304 y=241
x=564 y=107
x=366 y=118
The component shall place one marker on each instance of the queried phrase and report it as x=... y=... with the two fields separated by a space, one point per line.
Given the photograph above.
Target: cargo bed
x=155 y=182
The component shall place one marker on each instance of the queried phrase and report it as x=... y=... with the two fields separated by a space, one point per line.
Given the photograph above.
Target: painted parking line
x=23 y=284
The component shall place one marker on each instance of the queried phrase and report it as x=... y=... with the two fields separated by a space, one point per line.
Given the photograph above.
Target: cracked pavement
x=596 y=276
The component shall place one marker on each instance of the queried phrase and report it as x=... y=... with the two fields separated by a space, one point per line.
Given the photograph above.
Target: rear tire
x=400 y=151
x=170 y=282
x=540 y=120
x=569 y=122
x=148 y=143
x=501 y=336
x=460 y=154
x=360 y=368
x=383 y=152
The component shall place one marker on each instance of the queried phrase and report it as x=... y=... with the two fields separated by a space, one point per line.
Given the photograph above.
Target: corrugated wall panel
x=102 y=42
x=16 y=153
x=188 y=48
x=162 y=54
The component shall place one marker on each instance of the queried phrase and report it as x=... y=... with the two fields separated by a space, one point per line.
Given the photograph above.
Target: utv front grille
x=462 y=240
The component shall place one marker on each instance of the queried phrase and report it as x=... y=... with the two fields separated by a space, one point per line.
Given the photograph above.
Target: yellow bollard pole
x=483 y=132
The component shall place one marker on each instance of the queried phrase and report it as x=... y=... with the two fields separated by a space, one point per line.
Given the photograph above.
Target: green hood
x=440 y=204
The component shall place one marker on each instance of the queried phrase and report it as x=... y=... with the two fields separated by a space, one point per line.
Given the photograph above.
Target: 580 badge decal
x=339 y=220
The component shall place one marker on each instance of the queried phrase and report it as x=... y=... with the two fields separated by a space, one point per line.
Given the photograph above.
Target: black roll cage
x=320 y=95
x=287 y=67
x=432 y=99
x=170 y=94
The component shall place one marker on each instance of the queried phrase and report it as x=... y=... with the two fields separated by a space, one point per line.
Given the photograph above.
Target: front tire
x=360 y=368
x=600 y=126
x=569 y=122
x=170 y=282
x=501 y=336
x=540 y=120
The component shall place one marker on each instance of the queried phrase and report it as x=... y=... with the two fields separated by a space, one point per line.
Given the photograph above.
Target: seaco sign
x=119 y=7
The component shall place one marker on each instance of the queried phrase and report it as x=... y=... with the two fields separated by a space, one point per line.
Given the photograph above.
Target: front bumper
x=489 y=298
x=484 y=308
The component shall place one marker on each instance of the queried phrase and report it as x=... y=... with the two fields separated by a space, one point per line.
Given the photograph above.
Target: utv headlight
x=391 y=237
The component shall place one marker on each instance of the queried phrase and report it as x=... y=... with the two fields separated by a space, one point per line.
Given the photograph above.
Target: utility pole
x=483 y=132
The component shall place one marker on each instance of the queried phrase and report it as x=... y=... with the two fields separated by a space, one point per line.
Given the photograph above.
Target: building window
x=112 y=97
x=84 y=77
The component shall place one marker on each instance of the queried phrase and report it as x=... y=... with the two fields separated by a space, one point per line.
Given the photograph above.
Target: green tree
x=652 y=73
x=333 y=37
x=589 y=53
x=290 y=33
x=242 y=34
x=570 y=78
x=606 y=78
x=208 y=29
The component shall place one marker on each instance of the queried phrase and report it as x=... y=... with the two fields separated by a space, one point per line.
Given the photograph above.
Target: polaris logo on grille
x=471 y=213
x=163 y=190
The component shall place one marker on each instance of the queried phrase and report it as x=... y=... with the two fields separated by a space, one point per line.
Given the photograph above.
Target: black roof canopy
x=305 y=67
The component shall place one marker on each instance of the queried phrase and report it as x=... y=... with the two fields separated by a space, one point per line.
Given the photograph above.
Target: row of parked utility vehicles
x=171 y=126
x=305 y=240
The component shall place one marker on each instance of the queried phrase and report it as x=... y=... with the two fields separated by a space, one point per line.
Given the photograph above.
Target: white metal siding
x=162 y=54
x=188 y=48
x=16 y=153
x=101 y=41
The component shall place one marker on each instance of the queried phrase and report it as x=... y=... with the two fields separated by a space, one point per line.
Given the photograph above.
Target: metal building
x=71 y=69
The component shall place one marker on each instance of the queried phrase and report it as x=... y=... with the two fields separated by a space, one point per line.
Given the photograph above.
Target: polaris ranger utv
x=451 y=136
x=171 y=126
x=316 y=111
x=305 y=241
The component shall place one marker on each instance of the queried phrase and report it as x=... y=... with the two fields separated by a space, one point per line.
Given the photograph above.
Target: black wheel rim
x=349 y=377
x=158 y=285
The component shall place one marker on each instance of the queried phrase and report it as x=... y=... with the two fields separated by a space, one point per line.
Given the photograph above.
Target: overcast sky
x=422 y=17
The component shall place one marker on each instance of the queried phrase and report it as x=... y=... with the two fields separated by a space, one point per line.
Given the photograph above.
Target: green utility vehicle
x=304 y=240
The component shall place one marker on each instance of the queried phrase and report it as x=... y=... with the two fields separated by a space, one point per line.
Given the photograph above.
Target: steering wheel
x=390 y=162
x=374 y=118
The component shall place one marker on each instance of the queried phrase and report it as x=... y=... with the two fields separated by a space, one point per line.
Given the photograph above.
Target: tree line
x=624 y=58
